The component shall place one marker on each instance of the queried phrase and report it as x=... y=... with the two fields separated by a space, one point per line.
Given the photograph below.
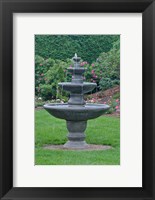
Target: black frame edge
x=153 y=182
x=148 y=97
x=6 y=96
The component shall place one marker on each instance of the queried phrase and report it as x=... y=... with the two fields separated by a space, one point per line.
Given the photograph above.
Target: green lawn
x=50 y=130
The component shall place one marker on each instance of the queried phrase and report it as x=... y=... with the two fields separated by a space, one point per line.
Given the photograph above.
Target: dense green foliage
x=48 y=74
x=110 y=67
x=62 y=47
x=103 y=130
x=105 y=70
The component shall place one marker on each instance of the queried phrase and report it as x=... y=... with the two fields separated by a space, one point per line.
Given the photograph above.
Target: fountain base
x=76 y=135
x=89 y=147
x=75 y=145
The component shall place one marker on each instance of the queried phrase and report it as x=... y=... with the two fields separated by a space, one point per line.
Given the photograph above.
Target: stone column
x=76 y=135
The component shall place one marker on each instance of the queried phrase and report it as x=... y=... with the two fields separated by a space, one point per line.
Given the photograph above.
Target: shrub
x=112 y=105
x=105 y=72
x=116 y=95
x=46 y=91
x=109 y=63
x=107 y=68
x=55 y=74
x=41 y=67
x=106 y=83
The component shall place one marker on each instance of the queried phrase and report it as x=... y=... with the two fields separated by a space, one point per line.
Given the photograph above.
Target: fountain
x=76 y=112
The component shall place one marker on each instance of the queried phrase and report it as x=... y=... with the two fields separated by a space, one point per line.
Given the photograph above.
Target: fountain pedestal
x=76 y=99
x=76 y=135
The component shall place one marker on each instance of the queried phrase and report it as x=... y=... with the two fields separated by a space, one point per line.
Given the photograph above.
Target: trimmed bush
x=62 y=47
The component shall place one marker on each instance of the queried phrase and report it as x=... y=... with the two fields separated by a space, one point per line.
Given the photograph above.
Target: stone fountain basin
x=77 y=88
x=76 y=113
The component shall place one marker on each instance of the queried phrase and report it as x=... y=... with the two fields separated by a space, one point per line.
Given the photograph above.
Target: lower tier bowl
x=75 y=112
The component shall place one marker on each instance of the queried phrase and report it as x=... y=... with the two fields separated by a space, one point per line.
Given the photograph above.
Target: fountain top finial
x=76 y=58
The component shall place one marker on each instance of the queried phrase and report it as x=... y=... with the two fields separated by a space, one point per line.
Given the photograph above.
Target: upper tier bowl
x=77 y=88
x=76 y=113
x=79 y=71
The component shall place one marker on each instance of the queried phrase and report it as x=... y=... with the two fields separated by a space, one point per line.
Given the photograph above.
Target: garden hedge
x=61 y=47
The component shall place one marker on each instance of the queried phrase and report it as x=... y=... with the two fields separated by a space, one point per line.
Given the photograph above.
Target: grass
x=103 y=130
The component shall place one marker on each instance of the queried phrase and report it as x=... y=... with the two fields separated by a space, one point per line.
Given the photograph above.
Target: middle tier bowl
x=78 y=88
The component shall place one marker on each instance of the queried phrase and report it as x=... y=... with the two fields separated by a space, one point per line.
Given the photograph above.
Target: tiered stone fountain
x=76 y=112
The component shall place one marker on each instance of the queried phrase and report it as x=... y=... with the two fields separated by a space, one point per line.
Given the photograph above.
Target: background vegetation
x=62 y=47
x=53 y=53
